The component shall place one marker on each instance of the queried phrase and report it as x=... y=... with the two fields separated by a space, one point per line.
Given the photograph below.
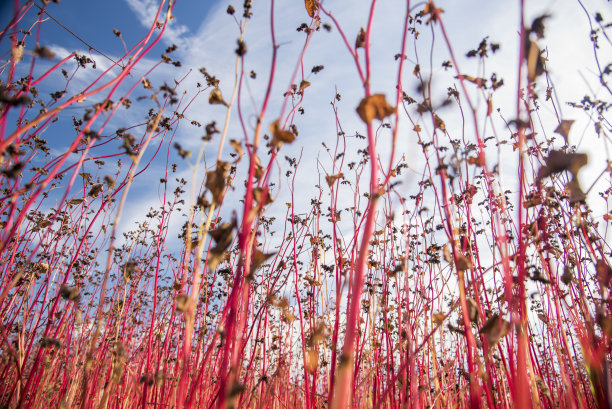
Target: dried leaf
x=438 y=318
x=331 y=179
x=564 y=128
x=535 y=61
x=216 y=97
x=576 y=195
x=472 y=309
x=495 y=328
x=258 y=259
x=439 y=123
x=360 y=40
x=215 y=181
x=567 y=276
x=311 y=7
x=238 y=148
x=375 y=106
x=304 y=84
x=543 y=318
x=257 y=195
x=446 y=254
x=280 y=136
x=537 y=26
x=559 y=161
x=50 y=342
x=603 y=273
x=44 y=53
x=223 y=237
x=183 y=302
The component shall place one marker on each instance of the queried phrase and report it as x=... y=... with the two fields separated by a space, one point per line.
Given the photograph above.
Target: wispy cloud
x=146 y=10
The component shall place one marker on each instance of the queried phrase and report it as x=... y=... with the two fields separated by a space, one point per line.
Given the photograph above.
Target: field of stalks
x=442 y=242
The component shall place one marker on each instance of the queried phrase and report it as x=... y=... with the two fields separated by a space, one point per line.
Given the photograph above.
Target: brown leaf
x=439 y=123
x=537 y=26
x=472 y=309
x=567 y=276
x=215 y=97
x=238 y=148
x=215 y=181
x=559 y=161
x=375 y=106
x=304 y=84
x=475 y=160
x=535 y=61
x=258 y=259
x=495 y=328
x=280 y=136
x=564 y=128
x=360 y=40
x=183 y=302
x=604 y=273
x=257 y=195
x=311 y=7
x=438 y=318
x=576 y=195
x=331 y=179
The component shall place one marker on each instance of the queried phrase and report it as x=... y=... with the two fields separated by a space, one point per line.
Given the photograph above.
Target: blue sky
x=207 y=37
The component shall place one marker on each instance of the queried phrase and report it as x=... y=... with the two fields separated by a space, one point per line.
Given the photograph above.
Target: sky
x=206 y=36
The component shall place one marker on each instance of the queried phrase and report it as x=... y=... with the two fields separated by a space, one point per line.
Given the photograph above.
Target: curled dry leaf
x=472 y=309
x=564 y=128
x=576 y=195
x=438 y=318
x=446 y=254
x=374 y=107
x=258 y=193
x=604 y=273
x=331 y=179
x=183 y=302
x=223 y=237
x=360 y=40
x=567 y=276
x=495 y=328
x=216 y=98
x=535 y=61
x=304 y=84
x=559 y=161
x=215 y=181
x=311 y=7
x=238 y=148
x=258 y=259
x=280 y=136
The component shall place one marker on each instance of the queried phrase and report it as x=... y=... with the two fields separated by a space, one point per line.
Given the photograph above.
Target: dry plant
x=470 y=285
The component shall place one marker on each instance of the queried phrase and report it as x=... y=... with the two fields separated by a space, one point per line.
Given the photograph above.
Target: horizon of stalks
x=472 y=287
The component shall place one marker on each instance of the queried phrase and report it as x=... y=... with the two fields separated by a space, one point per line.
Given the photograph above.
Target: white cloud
x=146 y=10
